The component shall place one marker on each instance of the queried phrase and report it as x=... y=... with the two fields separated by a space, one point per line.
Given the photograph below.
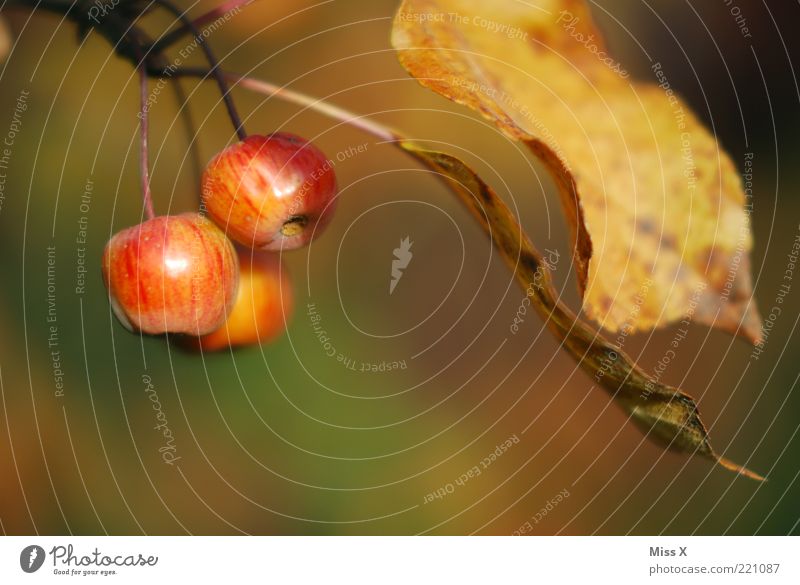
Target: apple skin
x=263 y=307
x=274 y=192
x=171 y=274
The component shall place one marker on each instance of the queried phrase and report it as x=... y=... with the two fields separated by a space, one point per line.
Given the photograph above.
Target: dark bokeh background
x=285 y=440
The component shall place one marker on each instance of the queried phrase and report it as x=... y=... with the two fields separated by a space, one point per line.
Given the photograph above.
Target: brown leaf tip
x=730 y=465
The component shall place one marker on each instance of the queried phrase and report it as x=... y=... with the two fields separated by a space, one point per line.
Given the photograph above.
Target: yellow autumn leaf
x=665 y=414
x=658 y=215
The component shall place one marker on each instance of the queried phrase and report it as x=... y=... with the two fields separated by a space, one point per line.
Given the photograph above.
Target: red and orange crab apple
x=263 y=305
x=171 y=274
x=270 y=192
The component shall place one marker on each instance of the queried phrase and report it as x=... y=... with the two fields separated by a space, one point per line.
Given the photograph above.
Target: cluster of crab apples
x=215 y=276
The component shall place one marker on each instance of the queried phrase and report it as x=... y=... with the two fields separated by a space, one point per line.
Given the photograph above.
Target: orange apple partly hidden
x=263 y=306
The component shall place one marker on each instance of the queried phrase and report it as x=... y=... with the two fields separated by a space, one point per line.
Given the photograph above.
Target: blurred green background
x=284 y=439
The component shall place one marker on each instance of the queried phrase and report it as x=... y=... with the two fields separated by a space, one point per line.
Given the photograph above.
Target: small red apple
x=171 y=274
x=263 y=305
x=270 y=192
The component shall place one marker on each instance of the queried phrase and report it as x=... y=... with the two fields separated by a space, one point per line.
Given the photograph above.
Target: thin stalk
x=213 y=63
x=172 y=37
x=144 y=151
x=270 y=89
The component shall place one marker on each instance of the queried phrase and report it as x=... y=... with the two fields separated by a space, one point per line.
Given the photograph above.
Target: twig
x=213 y=64
x=270 y=89
x=171 y=38
x=144 y=170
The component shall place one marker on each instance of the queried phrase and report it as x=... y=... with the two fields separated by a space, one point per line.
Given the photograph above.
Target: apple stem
x=213 y=63
x=147 y=195
x=169 y=39
x=318 y=105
